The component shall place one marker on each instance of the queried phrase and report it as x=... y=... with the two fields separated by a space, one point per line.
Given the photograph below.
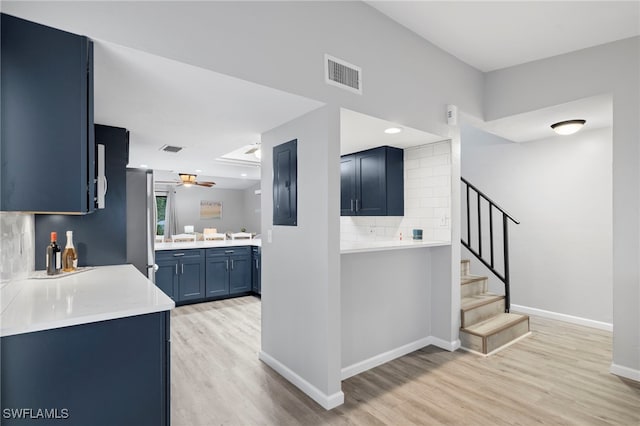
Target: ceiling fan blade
x=252 y=150
x=206 y=184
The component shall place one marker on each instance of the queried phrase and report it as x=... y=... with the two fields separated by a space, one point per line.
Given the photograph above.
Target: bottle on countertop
x=54 y=258
x=69 y=255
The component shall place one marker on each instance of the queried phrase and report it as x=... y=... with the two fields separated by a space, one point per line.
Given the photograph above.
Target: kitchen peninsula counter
x=98 y=294
x=347 y=247
x=207 y=244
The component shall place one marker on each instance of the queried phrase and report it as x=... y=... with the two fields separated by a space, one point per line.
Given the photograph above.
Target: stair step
x=465 y=264
x=495 y=332
x=472 y=284
x=480 y=307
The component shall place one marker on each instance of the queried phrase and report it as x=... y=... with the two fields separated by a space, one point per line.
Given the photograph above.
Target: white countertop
x=367 y=246
x=102 y=293
x=207 y=244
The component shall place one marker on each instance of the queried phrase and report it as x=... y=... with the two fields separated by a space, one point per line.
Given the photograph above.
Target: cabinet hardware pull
x=178 y=254
x=227 y=264
x=176 y=269
x=182 y=269
x=228 y=251
x=351 y=205
x=357 y=205
x=232 y=264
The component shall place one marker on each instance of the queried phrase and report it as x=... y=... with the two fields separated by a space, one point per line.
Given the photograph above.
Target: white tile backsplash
x=17 y=252
x=427 y=200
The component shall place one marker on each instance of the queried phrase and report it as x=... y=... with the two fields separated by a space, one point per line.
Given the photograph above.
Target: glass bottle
x=54 y=258
x=69 y=255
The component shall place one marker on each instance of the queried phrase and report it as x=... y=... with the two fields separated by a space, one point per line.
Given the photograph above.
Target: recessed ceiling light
x=392 y=130
x=198 y=170
x=144 y=166
x=568 y=127
x=243 y=174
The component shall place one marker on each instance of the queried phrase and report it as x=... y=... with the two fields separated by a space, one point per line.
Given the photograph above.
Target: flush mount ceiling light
x=568 y=127
x=392 y=130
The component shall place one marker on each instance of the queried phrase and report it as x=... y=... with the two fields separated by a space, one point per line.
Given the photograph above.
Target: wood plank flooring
x=557 y=376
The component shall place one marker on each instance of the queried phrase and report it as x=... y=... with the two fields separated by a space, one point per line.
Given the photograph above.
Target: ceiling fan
x=188 y=180
x=255 y=150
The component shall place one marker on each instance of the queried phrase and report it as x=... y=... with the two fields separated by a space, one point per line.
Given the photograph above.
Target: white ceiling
x=359 y=132
x=500 y=34
x=161 y=101
x=536 y=125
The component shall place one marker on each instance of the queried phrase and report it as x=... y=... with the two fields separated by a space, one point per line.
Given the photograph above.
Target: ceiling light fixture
x=392 y=130
x=568 y=127
x=243 y=174
x=144 y=166
x=198 y=170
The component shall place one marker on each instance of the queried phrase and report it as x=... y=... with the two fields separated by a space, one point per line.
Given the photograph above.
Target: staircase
x=485 y=327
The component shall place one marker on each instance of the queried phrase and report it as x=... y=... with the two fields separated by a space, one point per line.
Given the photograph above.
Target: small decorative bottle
x=54 y=260
x=69 y=256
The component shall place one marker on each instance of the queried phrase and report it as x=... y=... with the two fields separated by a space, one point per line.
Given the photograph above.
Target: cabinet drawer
x=229 y=251
x=178 y=254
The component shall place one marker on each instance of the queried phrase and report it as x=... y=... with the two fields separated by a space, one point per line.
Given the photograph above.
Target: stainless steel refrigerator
x=141 y=222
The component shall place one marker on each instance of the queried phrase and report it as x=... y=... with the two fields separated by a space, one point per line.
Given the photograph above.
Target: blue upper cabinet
x=285 y=184
x=372 y=183
x=47 y=145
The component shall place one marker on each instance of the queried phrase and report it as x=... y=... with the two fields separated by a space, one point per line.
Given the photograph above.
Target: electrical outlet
x=444 y=221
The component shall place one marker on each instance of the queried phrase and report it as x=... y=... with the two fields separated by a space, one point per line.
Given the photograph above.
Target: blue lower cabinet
x=228 y=271
x=114 y=372
x=240 y=273
x=181 y=274
x=256 y=279
x=167 y=277
x=217 y=276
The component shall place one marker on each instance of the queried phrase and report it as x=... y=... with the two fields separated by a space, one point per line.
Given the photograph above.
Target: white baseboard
x=626 y=372
x=443 y=344
x=326 y=401
x=563 y=317
x=384 y=357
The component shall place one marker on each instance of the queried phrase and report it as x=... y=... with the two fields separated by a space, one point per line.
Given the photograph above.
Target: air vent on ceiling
x=171 y=148
x=342 y=74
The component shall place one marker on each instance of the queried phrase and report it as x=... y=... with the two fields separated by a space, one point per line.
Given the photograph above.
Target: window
x=161 y=206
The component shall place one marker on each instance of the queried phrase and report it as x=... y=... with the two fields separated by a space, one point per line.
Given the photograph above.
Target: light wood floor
x=557 y=376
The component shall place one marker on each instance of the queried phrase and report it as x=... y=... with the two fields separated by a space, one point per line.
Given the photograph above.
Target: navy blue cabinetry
x=47 y=143
x=181 y=274
x=256 y=278
x=285 y=184
x=228 y=271
x=100 y=237
x=114 y=372
x=372 y=183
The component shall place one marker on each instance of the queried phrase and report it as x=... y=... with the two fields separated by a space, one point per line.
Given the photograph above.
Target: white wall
x=252 y=209
x=427 y=200
x=234 y=211
x=385 y=303
x=611 y=68
x=301 y=265
x=560 y=190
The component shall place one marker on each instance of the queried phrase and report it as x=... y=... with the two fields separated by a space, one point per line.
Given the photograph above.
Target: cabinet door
x=285 y=186
x=239 y=274
x=217 y=276
x=371 y=185
x=191 y=282
x=258 y=273
x=347 y=185
x=167 y=277
x=47 y=143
